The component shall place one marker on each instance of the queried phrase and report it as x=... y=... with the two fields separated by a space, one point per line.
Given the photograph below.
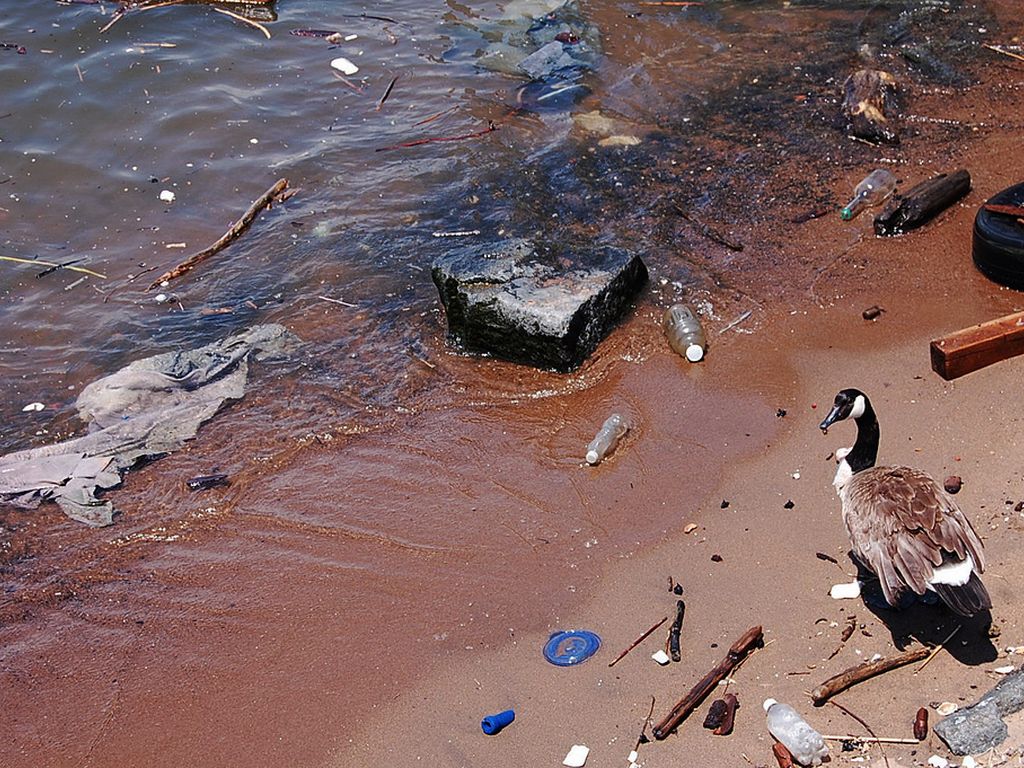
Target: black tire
x=998 y=245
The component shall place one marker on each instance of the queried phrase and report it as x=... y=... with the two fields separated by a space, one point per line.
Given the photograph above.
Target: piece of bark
x=980 y=345
x=752 y=638
x=870 y=106
x=673 y=635
x=782 y=755
x=725 y=727
x=922 y=202
x=862 y=672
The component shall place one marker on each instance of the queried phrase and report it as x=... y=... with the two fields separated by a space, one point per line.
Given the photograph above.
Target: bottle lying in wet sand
x=604 y=441
x=803 y=742
x=873 y=190
x=684 y=332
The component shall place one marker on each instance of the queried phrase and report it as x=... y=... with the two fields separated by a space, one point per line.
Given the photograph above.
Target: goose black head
x=849 y=404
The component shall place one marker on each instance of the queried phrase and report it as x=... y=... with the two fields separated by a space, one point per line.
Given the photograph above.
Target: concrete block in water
x=542 y=306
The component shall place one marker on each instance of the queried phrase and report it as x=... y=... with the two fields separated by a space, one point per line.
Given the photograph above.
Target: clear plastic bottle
x=604 y=441
x=802 y=741
x=684 y=332
x=873 y=190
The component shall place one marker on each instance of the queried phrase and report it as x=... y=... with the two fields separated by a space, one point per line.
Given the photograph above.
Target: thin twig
x=435 y=116
x=491 y=127
x=743 y=316
x=263 y=201
x=938 y=648
x=118 y=15
x=337 y=301
x=871 y=739
x=997 y=49
x=387 y=93
x=358 y=89
x=636 y=642
x=866 y=726
x=41 y=263
x=647 y=720
x=244 y=20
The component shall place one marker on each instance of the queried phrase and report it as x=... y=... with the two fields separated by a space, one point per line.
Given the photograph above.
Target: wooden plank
x=980 y=345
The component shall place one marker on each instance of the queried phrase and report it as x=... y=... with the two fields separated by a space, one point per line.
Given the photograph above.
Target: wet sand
x=368 y=643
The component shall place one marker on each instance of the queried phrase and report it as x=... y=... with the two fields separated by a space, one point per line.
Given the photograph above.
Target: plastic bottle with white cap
x=604 y=441
x=685 y=334
x=803 y=742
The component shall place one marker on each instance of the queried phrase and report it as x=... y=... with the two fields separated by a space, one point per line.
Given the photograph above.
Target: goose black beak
x=832 y=418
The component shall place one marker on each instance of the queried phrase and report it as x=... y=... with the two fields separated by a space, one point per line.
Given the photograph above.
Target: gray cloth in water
x=148 y=408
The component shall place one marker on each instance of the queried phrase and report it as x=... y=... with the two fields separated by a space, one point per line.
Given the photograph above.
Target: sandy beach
x=794 y=359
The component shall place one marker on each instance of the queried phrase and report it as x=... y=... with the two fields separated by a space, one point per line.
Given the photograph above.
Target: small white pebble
x=968 y=762
x=1004 y=670
x=350 y=38
x=661 y=657
x=946 y=708
x=167 y=196
x=160 y=298
x=254 y=141
x=937 y=761
x=33 y=407
x=633 y=756
x=796 y=475
x=690 y=528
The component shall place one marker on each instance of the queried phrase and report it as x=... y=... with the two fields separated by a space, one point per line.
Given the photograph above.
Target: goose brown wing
x=902 y=523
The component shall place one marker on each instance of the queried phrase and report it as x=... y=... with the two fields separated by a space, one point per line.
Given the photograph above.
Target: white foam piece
x=344 y=66
x=577 y=756
x=661 y=657
x=845 y=591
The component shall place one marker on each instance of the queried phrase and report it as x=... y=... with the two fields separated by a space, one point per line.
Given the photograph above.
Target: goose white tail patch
x=955 y=574
x=859 y=407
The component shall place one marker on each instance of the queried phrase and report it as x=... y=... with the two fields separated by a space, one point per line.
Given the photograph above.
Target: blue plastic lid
x=572 y=646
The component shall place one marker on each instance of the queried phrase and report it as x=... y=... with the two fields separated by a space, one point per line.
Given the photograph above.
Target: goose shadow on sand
x=927 y=621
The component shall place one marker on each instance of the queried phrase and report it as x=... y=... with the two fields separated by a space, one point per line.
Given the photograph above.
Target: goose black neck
x=865 y=450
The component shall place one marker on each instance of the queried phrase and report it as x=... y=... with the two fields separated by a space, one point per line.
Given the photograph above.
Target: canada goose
x=903 y=526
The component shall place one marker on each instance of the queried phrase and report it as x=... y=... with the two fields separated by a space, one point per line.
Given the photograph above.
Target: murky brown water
x=386 y=493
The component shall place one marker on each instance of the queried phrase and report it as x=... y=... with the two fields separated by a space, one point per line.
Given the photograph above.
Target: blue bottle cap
x=570 y=647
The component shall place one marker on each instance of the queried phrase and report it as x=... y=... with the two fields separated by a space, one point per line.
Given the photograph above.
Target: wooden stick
x=862 y=672
x=871 y=739
x=637 y=642
x=263 y=201
x=750 y=639
x=387 y=93
x=980 y=345
x=244 y=20
x=938 y=648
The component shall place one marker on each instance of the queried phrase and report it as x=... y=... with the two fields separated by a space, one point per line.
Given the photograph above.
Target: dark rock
x=872 y=313
x=870 y=106
x=953 y=484
x=980 y=727
x=542 y=306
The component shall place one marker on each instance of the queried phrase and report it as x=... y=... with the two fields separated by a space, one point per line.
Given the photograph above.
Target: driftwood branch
x=265 y=200
x=862 y=672
x=673 y=635
x=752 y=638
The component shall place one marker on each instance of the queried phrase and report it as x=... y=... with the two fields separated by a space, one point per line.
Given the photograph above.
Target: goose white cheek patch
x=858 y=407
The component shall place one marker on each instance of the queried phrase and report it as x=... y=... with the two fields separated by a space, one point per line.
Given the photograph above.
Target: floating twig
x=435 y=116
x=739 y=650
x=459 y=233
x=244 y=20
x=265 y=200
x=338 y=301
x=862 y=672
x=672 y=3
x=938 y=648
x=357 y=88
x=387 y=93
x=997 y=49
x=41 y=263
x=118 y=15
x=368 y=16
x=491 y=127
x=637 y=642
